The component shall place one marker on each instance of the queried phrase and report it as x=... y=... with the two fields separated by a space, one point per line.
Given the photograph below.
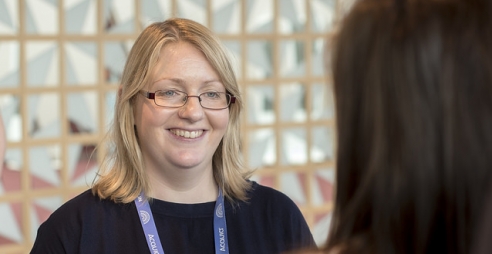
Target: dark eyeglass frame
x=151 y=96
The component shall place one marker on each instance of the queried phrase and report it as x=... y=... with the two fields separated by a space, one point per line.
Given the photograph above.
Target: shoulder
x=79 y=221
x=80 y=203
x=76 y=210
x=72 y=209
x=62 y=230
x=77 y=202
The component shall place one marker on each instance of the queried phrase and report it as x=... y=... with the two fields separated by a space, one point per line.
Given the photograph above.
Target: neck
x=184 y=187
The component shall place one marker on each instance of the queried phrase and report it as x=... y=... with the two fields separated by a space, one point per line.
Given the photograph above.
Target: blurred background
x=60 y=64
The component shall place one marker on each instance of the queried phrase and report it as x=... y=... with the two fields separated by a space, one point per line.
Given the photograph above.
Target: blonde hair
x=121 y=175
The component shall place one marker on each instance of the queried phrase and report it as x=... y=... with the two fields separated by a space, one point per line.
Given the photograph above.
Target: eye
x=167 y=93
x=211 y=95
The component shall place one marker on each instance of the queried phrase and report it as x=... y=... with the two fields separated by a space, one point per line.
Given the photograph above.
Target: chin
x=188 y=162
x=191 y=158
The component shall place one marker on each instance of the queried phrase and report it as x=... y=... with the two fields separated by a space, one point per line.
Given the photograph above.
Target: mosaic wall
x=60 y=63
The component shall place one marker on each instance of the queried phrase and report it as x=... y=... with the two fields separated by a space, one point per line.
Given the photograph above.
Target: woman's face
x=184 y=137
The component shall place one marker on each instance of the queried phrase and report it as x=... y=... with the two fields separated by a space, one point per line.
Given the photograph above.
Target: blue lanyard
x=152 y=237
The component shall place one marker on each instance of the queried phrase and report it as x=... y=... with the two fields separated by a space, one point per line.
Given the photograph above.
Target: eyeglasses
x=176 y=99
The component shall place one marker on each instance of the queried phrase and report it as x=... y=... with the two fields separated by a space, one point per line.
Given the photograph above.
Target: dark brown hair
x=413 y=91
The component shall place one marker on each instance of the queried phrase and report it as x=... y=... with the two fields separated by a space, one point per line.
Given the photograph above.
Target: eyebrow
x=175 y=80
x=181 y=82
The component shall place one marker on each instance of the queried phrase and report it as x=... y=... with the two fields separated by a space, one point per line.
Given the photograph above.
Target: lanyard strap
x=220 y=227
x=148 y=225
x=152 y=237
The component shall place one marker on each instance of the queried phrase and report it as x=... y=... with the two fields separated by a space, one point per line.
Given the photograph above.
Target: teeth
x=187 y=134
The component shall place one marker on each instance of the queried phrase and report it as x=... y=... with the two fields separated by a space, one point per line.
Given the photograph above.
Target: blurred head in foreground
x=413 y=91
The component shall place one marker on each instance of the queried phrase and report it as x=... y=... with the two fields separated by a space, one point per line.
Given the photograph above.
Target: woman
x=176 y=145
x=413 y=89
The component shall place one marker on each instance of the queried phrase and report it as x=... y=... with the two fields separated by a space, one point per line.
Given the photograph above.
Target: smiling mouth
x=187 y=134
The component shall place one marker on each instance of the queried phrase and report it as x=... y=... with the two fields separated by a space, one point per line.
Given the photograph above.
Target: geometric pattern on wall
x=226 y=16
x=81 y=63
x=295 y=186
x=82 y=164
x=193 y=9
x=10 y=180
x=259 y=60
x=44 y=166
x=322 y=186
x=260 y=16
x=41 y=124
x=42 y=63
x=9 y=17
x=41 y=17
x=9 y=73
x=80 y=16
x=154 y=10
x=11 y=221
x=61 y=63
x=82 y=112
x=115 y=53
x=119 y=16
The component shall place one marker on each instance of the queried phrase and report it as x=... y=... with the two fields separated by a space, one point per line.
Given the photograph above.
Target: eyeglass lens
x=211 y=100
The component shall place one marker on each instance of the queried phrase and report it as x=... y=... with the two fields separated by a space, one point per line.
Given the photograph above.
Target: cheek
x=152 y=119
x=222 y=121
x=147 y=117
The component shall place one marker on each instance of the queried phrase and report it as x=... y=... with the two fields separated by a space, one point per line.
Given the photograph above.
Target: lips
x=187 y=134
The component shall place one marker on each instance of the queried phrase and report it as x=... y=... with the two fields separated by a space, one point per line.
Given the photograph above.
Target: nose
x=192 y=109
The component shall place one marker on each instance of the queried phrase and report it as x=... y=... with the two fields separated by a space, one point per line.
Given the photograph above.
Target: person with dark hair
x=412 y=82
x=173 y=178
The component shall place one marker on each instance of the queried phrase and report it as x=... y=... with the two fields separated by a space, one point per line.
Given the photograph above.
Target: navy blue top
x=269 y=222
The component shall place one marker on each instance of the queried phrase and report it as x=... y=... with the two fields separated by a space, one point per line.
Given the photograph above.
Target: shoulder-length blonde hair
x=121 y=175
